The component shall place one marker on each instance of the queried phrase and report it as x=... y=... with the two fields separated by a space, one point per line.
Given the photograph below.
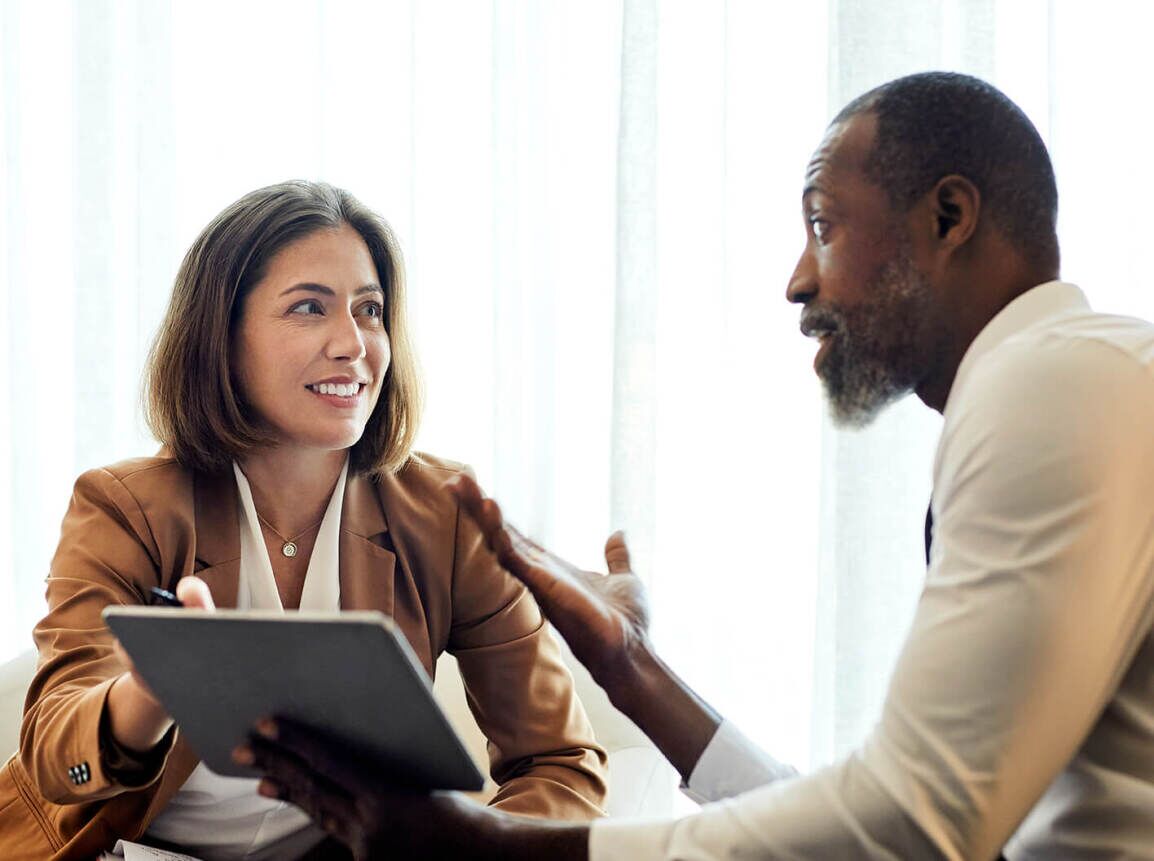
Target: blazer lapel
x=367 y=560
x=217 y=536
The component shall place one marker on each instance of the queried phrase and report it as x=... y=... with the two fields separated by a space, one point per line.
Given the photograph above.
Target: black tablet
x=352 y=674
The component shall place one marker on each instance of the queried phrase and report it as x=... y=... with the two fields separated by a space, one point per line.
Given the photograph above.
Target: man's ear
x=955 y=204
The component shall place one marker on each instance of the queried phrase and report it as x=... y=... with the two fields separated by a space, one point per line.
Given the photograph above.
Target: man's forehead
x=842 y=151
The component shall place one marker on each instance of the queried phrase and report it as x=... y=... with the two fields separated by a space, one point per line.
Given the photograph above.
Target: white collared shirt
x=218 y=817
x=1021 y=709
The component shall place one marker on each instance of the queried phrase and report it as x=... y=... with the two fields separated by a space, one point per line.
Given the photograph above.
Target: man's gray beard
x=876 y=358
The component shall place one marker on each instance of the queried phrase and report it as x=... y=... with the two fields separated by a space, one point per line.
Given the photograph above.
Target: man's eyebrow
x=311 y=287
x=812 y=188
x=813 y=179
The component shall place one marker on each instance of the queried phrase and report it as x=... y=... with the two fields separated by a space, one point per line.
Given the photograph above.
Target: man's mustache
x=817 y=321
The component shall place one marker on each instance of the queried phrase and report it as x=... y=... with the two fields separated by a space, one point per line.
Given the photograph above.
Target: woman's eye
x=309 y=306
x=373 y=310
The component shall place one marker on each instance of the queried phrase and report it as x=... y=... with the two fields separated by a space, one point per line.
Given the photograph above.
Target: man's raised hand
x=603 y=618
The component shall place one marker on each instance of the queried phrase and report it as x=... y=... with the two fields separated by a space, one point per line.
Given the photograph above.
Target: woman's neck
x=291 y=488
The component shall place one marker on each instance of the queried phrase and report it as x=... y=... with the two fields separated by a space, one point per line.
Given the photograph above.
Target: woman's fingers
x=194 y=592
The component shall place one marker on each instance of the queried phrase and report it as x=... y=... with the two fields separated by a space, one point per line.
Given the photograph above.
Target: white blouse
x=219 y=817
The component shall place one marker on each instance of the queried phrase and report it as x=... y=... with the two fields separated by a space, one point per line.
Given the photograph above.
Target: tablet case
x=352 y=675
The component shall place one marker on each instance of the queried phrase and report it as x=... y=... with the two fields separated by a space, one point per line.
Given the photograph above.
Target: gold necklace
x=289 y=547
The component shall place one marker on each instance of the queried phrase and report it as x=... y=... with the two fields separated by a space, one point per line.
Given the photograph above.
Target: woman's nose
x=346 y=341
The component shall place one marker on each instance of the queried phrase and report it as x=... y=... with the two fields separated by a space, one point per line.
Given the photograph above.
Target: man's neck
x=978 y=300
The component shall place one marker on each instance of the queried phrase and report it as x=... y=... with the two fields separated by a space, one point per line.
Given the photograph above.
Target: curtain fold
x=633 y=429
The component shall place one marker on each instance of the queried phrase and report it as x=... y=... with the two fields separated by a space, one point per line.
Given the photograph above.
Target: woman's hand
x=603 y=618
x=136 y=718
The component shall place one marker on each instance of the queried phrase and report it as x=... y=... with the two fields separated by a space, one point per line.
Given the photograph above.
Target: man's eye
x=309 y=306
x=820 y=228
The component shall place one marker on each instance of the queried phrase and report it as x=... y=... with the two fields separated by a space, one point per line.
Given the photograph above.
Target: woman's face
x=311 y=350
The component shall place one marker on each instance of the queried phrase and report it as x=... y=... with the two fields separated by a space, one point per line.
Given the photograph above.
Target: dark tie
x=929 y=543
x=929 y=530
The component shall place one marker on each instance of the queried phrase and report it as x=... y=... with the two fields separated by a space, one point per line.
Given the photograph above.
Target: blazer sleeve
x=542 y=750
x=106 y=552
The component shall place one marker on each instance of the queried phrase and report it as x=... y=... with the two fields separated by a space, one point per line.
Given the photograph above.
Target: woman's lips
x=345 y=395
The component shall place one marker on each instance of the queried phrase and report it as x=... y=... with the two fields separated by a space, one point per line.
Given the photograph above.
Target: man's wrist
x=676 y=719
x=515 y=838
x=635 y=677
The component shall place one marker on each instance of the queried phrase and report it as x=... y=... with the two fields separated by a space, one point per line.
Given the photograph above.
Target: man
x=1021 y=710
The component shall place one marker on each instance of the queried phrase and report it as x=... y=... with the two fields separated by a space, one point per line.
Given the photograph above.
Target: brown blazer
x=404 y=550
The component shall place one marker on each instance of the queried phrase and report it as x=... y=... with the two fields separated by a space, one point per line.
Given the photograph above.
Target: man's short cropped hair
x=193 y=401
x=934 y=124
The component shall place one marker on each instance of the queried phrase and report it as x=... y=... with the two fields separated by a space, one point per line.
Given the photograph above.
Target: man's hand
x=352 y=801
x=605 y=621
x=603 y=618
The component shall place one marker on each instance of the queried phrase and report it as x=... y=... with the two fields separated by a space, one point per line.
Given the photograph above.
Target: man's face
x=864 y=296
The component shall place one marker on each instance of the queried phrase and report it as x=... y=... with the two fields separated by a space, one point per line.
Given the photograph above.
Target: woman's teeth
x=344 y=390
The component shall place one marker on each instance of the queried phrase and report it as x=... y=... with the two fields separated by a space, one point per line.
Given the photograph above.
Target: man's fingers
x=485 y=512
x=291 y=777
x=317 y=796
x=194 y=592
x=522 y=557
x=617 y=554
x=311 y=746
x=517 y=557
x=467 y=492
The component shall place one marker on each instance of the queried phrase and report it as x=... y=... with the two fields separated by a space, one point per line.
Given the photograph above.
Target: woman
x=283 y=387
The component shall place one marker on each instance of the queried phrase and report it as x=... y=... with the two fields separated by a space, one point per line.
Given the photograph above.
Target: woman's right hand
x=136 y=718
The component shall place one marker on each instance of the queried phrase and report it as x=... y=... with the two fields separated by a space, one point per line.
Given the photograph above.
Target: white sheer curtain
x=598 y=204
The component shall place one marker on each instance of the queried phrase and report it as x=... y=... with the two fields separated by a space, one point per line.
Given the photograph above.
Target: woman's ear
x=956 y=205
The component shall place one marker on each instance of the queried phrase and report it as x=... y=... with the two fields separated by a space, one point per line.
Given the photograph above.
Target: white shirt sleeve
x=1038 y=595
x=730 y=765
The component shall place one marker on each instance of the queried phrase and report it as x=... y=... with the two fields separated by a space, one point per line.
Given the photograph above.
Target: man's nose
x=802 y=286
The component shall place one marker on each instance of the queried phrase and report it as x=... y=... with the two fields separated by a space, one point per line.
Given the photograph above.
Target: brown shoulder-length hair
x=192 y=399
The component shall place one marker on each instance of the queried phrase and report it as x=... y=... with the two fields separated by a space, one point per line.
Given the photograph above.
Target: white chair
x=15 y=676
x=641 y=780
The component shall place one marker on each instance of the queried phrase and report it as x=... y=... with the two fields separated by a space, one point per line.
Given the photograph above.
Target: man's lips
x=817 y=326
x=823 y=327
x=825 y=339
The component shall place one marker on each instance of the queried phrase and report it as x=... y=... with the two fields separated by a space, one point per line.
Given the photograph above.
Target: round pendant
x=289 y=549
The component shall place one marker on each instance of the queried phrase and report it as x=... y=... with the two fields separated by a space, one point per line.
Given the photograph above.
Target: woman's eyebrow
x=312 y=287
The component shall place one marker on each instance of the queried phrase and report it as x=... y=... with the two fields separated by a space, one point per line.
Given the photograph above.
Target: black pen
x=164 y=597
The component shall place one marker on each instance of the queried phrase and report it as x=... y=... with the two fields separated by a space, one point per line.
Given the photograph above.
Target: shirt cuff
x=635 y=839
x=730 y=765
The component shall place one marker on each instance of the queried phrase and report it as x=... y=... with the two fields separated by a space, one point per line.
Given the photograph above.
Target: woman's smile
x=339 y=393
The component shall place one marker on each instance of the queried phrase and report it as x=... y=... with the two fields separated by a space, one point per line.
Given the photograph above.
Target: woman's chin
x=321 y=442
